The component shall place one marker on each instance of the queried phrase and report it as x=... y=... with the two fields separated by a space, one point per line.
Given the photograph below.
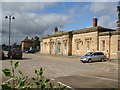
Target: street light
x=9 y=17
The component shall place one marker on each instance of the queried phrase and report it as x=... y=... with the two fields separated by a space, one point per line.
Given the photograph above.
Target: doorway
x=59 y=45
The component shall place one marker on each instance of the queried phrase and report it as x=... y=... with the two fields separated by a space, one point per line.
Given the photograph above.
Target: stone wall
x=22 y=46
x=119 y=51
x=82 y=39
x=55 y=45
x=111 y=44
x=45 y=47
x=80 y=44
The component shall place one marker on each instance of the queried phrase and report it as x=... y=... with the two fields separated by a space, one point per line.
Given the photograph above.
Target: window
x=95 y=54
x=118 y=45
x=103 y=45
x=65 y=45
x=45 y=45
x=52 y=46
x=89 y=54
x=77 y=45
x=100 y=53
x=88 y=45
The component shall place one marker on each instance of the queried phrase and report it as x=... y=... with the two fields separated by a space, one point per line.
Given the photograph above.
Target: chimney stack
x=55 y=29
x=118 y=22
x=94 y=22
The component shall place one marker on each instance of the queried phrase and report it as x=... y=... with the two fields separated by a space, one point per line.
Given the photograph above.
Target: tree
x=36 y=42
x=4 y=46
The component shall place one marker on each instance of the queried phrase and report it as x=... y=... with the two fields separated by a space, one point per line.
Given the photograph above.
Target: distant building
x=79 y=42
x=29 y=44
x=26 y=43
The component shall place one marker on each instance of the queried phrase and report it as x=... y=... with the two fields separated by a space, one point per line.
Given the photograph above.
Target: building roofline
x=80 y=31
x=108 y=33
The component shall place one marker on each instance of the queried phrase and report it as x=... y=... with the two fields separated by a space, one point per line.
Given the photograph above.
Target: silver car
x=93 y=56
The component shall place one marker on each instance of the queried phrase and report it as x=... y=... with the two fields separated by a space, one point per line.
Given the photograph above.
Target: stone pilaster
x=70 y=44
x=118 y=22
x=56 y=45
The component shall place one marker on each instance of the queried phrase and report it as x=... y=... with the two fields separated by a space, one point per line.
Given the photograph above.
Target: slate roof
x=80 y=31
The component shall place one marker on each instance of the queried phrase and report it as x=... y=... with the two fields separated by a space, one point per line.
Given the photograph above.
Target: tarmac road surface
x=69 y=71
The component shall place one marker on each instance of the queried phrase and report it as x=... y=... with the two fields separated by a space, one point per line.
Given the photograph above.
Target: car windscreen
x=88 y=54
x=17 y=51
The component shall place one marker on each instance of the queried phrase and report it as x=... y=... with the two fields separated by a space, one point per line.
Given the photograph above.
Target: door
x=101 y=55
x=65 y=48
x=95 y=57
x=98 y=56
x=59 y=44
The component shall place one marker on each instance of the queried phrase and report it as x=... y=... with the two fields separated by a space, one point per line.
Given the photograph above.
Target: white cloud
x=12 y=7
x=106 y=21
x=29 y=23
x=37 y=24
x=60 y=0
x=107 y=13
x=32 y=0
x=103 y=21
x=103 y=8
x=76 y=9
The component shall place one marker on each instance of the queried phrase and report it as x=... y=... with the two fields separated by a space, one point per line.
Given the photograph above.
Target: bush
x=22 y=81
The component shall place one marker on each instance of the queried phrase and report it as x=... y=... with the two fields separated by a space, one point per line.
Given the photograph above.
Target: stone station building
x=79 y=42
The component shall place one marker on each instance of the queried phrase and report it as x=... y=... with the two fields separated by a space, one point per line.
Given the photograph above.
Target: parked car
x=93 y=56
x=26 y=51
x=37 y=50
x=15 y=53
x=30 y=51
x=2 y=56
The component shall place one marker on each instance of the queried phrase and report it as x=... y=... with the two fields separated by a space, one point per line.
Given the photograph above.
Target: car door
x=95 y=56
x=101 y=55
x=98 y=56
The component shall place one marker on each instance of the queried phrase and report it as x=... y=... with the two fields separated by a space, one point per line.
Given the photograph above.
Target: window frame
x=88 y=44
x=77 y=46
x=118 y=45
x=103 y=45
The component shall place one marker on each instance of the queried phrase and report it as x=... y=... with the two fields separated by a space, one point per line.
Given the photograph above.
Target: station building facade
x=79 y=42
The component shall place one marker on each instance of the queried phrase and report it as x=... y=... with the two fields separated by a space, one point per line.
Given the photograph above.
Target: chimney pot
x=55 y=29
x=94 y=21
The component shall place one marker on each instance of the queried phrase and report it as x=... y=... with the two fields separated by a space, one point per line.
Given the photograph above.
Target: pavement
x=69 y=70
x=77 y=58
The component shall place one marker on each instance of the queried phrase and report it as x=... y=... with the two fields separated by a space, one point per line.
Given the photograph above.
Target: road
x=69 y=71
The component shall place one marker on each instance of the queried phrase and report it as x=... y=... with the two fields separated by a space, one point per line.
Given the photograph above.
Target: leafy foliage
x=7 y=72
x=22 y=81
x=16 y=64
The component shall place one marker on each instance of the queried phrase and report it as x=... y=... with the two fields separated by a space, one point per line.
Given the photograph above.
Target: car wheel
x=82 y=61
x=102 y=60
x=90 y=60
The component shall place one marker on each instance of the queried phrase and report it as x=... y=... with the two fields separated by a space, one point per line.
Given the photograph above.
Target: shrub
x=22 y=81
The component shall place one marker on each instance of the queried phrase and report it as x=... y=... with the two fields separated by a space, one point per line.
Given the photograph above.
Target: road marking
x=8 y=80
x=63 y=84
x=66 y=85
x=52 y=79
x=100 y=77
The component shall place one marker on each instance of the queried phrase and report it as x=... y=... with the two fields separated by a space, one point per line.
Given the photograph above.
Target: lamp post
x=9 y=17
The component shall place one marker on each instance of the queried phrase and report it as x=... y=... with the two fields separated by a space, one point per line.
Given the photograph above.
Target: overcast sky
x=40 y=18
